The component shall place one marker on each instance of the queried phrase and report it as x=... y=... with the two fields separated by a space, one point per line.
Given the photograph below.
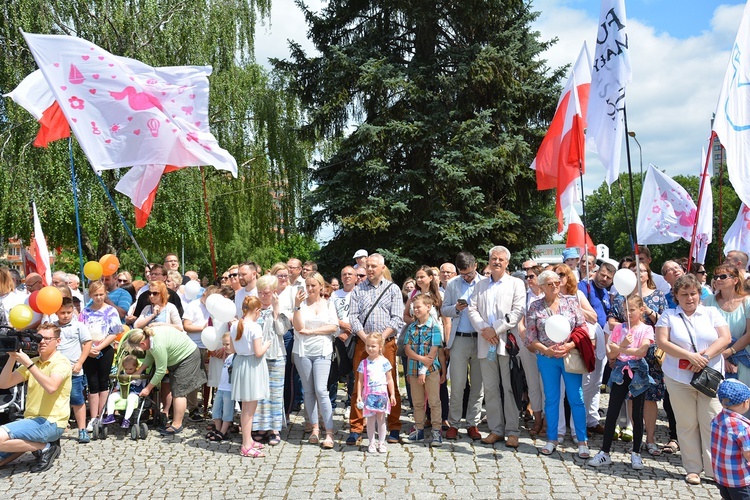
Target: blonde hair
x=94 y=287
x=378 y=337
x=250 y=304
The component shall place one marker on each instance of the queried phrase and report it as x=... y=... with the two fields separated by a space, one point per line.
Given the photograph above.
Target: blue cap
x=571 y=253
x=732 y=392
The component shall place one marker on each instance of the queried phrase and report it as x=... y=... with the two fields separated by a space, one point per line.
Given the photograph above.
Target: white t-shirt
x=251 y=331
x=197 y=314
x=224 y=383
x=661 y=283
x=239 y=297
x=315 y=345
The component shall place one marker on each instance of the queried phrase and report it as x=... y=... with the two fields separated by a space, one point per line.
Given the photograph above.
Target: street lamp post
x=640 y=152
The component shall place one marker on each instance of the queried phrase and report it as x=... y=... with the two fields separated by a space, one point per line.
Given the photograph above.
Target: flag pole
x=720 y=241
x=634 y=240
x=208 y=223
x=700 y=198
x=75 y=205
x=122 y=219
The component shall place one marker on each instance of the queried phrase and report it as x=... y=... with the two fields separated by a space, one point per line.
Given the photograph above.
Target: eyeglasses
x=719 y=277
x=555 y=283
x=48 y=339
x=701 y=272
x=530 y=276
x=361 y=275
x=233 y=275
x=28 y=285
x=282 y=276
x=224 y=278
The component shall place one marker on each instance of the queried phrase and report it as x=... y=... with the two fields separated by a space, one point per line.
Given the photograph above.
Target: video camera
x=12 y=340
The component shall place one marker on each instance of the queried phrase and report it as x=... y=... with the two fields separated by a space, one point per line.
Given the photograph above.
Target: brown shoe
x=474 y=433
x=492 y=438
x=512 y=442
x=596 y=429
x=451 y=433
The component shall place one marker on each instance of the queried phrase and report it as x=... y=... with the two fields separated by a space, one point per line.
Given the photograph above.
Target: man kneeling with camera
x=47 y=402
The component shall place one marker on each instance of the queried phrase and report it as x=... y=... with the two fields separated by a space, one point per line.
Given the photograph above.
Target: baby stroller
x=147 y=406
x=12 y=400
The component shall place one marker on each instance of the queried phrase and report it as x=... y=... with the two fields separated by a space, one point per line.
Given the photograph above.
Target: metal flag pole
x=700 y=198
x=75 y=205
x=634 y=240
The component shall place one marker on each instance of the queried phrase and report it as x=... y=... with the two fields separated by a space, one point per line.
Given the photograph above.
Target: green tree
x=432 y=113
x=252 y=115
x=606 y=223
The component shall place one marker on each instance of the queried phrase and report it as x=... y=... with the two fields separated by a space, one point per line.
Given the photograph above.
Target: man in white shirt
x=495 y=308
x=295 y=271
x=248 y=275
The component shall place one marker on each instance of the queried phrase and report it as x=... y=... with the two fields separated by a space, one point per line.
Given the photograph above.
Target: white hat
x=360 y=253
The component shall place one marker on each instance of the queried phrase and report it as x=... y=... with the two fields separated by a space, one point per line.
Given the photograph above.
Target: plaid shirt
x=388 y=313
x=421 y=338
x=730 y=437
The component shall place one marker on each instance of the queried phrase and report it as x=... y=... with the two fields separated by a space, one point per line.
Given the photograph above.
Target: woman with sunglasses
x=699 y=270
x=550 y=356
x=159 y=311
x=569 y=286
x=124 y=278
x=654 y=305
x=734 y=305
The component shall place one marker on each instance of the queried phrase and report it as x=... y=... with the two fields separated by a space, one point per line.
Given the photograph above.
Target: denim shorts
x=223 y=407
x=76 y=391
x=37 y=430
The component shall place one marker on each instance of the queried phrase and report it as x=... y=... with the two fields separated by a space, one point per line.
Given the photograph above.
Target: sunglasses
x=154 y=294
x=48 y=339
x=361 y=275
x=530 y=276
x=700 y=272
x=224 y=278
x=233 y=275
x=562 y=275
x=719 y=277
x=122 y=281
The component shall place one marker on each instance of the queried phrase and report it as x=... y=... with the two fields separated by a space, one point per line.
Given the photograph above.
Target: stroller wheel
x=143 y=428
x=95 y=431
x=134 y=433
x=103 y=431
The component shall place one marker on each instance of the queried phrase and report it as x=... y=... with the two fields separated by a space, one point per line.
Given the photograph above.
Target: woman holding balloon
x=549 y=322
x=104 y=324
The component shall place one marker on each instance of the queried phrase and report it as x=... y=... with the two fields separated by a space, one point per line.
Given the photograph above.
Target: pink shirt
x=641 y=334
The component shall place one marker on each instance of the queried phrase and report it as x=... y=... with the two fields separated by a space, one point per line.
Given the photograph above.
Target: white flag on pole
x=666 y=212
x=704 y=229
x=738 y=236
x=611 y=73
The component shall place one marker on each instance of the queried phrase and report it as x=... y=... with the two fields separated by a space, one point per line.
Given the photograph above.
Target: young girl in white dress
x=375 y=390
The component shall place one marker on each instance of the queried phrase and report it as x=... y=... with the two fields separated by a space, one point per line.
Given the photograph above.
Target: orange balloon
x=49 y=300
x=110 y=264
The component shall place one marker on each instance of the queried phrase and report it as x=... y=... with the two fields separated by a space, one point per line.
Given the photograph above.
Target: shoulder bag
x=708 y=379
x=353 y=344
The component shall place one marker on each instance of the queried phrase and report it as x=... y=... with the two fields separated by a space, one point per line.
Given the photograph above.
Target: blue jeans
x=551 y=369
x=223 y=408
x=313 y=371
x=37 y=430
x=76 y=390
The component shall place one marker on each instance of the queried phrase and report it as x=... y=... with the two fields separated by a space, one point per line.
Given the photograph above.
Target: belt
x=466 y=334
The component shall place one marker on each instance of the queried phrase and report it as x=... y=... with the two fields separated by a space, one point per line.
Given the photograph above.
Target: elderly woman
x=160 y=311
x=292 y=384
x=315 y=321
x=269 y=416
x=550 y=362
x=732 y=302
x=166 y=347
x=693 y=337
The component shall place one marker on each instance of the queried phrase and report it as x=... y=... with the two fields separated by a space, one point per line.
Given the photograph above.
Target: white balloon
x=192 y=289
x=625 y=281
x=224 y=310
x=212 y=301
x=557 y=328
x=210 y=338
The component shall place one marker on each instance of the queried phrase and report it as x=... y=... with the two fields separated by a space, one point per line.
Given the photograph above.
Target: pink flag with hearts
x=738 y=236
x=666 y=212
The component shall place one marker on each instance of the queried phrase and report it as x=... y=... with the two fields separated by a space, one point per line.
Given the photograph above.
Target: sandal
x=653 y=450
x=328 y=442
x=314 y=437
x=252 y=452
x=671 y=447
x=275 y=439
x=171 y=431
x=257 y=446
x=211 y=427
x=548 y=448
x=216 y=436
x=583 y=451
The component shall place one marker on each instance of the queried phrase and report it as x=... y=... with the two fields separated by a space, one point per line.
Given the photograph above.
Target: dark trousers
x=617 y=396
x=728 y=493
x=292 y=382
x=670 y=417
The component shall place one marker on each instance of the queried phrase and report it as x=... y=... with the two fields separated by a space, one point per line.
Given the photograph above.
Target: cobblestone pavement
x=187 y=466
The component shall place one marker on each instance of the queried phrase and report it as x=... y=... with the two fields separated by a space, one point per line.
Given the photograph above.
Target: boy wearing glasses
x=47 y=402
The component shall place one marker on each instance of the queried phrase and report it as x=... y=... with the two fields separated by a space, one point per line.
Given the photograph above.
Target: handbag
x=574 y=363
x=353 y=343
x=659 y=355
x=708 y=379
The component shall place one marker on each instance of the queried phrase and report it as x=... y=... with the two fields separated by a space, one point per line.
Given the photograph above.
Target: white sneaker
x=90 y=427
x=600 y=459
x=636 y=462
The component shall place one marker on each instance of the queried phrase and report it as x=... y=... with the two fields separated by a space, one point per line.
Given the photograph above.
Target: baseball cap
x=360 y=253
x=732 y=392
x=570 y=253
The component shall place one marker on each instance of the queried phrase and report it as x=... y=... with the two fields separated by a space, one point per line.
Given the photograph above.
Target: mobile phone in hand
x=461 y=302
x=684 y=364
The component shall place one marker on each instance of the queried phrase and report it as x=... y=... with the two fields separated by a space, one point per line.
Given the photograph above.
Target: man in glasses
x=47 y=402
x=461 y=345
x=233 y=278
x=295 y=272
x=361 y=275
x=496 y=306
x=672 y=271
x=447 y=273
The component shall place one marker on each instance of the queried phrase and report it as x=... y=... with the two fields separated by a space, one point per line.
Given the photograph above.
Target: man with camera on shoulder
x=47 y=401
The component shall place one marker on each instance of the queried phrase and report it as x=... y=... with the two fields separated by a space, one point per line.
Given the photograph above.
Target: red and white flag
x=40 y=251
x=738 y=236
x=557 y=161
x=34 y=95
x=125 y=113
x=732 y=117
x=611 y=73
x=577 y=235
x=704 y=228
x=666 y=212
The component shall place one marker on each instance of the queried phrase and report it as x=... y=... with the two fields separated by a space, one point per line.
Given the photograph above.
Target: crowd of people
x=297 y=336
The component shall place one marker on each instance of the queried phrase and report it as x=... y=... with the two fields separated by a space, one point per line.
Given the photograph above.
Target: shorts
x=223 y=407
x=76 y=391
x=37 y=430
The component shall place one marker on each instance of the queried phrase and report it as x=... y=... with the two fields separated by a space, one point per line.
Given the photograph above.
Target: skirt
x=269 y=416
x=249 y=378
x=215 y=366
x=187 y=375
